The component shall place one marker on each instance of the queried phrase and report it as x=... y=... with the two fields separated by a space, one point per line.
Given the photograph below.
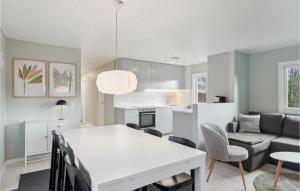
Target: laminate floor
x=224 y=177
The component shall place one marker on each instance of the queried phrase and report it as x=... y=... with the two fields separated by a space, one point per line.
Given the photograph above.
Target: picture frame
x=62 y=79
x=29 y=78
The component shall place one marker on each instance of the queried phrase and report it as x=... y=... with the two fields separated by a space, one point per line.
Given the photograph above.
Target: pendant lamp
x=116 y=81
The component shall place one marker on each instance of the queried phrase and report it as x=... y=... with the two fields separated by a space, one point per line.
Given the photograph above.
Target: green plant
x=30 y=75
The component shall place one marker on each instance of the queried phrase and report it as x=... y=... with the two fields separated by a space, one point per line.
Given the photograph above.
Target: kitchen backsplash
x=152 y=99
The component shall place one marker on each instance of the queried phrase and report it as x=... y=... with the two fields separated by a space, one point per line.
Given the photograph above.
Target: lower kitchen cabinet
x=164 y=120
x=38 y=137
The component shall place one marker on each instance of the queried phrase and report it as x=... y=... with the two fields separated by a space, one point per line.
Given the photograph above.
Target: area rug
x=39 y=181
x=286 y=182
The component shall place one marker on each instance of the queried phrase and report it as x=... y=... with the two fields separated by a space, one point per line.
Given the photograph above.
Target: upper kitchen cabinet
x=125 y=64
x=152 y=75
x=141 y=69
x=168 y=77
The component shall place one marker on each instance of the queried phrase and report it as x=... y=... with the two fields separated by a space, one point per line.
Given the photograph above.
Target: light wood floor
x=224 y=177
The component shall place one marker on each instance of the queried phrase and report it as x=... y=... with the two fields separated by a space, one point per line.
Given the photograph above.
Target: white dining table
x=118 y=158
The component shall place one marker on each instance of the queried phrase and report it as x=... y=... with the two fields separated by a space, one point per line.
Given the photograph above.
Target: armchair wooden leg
x=211 y=168
x=242 y=173
x=210 y=164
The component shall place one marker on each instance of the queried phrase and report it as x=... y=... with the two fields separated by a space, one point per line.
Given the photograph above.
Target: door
x=36 y=137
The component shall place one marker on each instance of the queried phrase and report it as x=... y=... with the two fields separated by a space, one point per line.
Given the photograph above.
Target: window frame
x=195 y=76
x=282 y=88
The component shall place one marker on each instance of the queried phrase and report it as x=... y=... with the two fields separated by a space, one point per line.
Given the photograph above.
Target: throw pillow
x=249 y=123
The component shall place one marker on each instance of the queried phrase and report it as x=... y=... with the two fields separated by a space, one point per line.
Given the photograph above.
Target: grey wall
x=263 y=77
x=19 y=110
x=2 y=100
x=241 y=81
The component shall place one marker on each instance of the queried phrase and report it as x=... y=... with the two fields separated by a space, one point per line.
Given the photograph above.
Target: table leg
x=278 y=169
x=199 y=177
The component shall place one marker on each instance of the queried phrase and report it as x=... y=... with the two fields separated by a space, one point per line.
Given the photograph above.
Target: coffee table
x=293 y=157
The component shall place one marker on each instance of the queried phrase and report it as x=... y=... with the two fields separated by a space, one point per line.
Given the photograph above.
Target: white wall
x=19 y=110
x=220 y=114
x=98 y=108
x=220 y=70
x=263 y=77
x=2 y=101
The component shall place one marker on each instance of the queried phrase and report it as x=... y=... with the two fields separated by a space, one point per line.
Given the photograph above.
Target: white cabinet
x=163 y=118
x=152 y=75
x=38 y=136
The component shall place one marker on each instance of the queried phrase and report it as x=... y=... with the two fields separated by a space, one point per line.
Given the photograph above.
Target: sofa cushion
x=291 y=126
x=271 y=123
x=285 y=144
x=256 y=148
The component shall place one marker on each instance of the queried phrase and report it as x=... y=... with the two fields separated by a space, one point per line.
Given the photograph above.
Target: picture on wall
x=29 y=78
x=62 y=79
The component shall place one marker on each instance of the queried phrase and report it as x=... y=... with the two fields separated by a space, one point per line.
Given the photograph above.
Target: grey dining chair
x=218 y=148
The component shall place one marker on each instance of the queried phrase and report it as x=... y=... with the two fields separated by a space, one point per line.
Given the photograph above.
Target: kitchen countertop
x=152 y=106
x=183 y=110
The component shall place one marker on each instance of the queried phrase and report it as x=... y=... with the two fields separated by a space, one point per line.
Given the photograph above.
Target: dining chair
x=63 y=177
x=218 y=148
x=153 y=132
x=133 y=126
x=54 y=160
x=76 y=177
x=181 y=180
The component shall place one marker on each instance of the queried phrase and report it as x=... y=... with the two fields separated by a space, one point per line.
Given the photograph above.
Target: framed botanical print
x=29 y=78
x=62 y=79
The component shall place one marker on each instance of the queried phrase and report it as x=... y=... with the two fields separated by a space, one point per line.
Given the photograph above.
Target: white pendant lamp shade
x=116 y=82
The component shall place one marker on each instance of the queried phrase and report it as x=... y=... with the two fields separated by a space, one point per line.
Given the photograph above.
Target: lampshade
x=116 y=82
x=61 y=102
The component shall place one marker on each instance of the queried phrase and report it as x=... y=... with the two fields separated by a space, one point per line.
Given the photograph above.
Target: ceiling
x=154 y=29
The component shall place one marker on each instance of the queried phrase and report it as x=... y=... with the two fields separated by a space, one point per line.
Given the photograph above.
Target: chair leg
x=210 y=164
x=242 y=173
x=211 y=169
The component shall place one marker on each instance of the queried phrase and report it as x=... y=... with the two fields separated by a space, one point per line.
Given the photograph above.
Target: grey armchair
x=218 y=148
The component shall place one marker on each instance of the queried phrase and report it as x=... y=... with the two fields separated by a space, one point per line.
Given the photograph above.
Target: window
x=199 y=87
x=289 y=87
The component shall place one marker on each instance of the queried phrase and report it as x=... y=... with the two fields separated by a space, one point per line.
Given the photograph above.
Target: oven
x=147 y=118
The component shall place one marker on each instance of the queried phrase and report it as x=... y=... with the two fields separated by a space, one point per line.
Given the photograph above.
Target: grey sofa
x=278 y=133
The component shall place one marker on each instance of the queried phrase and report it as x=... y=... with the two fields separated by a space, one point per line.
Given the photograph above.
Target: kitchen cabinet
x=38 y=136
x=152 y=75
x=142 y=71
x=163 y=118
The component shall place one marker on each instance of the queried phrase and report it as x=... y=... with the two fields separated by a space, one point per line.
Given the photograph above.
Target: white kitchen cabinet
x=152 y=75
x=38 y=136
x=123 y=116
x=163 y=118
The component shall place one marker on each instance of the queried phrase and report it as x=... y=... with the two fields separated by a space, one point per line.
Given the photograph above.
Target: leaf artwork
x=62 y=81
x=30 y=75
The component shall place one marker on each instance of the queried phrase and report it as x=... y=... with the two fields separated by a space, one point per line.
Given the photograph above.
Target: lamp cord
x=116 y=33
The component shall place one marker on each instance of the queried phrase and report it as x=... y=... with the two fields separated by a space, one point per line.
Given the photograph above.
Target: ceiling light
x=116 y=81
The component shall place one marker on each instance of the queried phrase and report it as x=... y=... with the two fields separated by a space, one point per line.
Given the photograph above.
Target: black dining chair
x=133 y=126
x=153 y=132
x=76 y=177
x=181 y=180
x=54 y=160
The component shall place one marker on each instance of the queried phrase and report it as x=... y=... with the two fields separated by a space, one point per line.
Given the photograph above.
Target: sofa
x=277 y=133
